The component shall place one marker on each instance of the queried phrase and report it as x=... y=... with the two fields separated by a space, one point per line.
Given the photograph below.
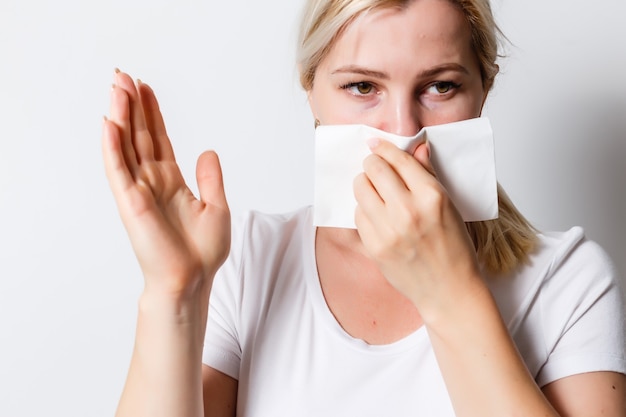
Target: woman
x=413 y=313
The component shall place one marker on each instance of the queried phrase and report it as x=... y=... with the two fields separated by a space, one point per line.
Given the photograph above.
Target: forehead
x=426 y=30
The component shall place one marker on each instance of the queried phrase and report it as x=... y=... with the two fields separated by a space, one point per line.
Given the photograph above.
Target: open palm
x=179 y=240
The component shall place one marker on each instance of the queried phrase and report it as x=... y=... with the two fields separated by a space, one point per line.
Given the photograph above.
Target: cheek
x=439 y=112
x=348 y=115
x=334 y=108
x=433 y=106
x=442 y=115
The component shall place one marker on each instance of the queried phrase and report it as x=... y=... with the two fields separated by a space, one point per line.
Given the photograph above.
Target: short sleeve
x=222 y=350
x=583 y=316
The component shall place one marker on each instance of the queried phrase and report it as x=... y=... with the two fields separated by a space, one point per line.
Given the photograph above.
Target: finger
x=412 y=173
x=384 y=179
x=115 y=165
x=366 y=196
x=210 y=182
x=371 y=223
x=141 y=139
x=422 y=154
x=120 y=116
x=156 y=126
x=367 y=230
x=371 y=213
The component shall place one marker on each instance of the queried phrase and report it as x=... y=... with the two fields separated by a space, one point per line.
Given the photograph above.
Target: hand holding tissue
x=462 y=154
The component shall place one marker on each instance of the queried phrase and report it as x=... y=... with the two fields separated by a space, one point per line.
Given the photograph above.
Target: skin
x=362 y=80
x=411 y=254
x=180 y=242
x=410 y=238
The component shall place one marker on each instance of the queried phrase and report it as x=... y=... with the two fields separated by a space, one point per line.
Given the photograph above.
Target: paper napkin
x=462 y=154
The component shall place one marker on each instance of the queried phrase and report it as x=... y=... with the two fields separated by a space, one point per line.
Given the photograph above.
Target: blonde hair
x=324 y=20
x=501 y=244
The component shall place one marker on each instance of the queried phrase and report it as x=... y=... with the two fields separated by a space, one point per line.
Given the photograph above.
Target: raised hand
x=410 y=227
x=179 y=240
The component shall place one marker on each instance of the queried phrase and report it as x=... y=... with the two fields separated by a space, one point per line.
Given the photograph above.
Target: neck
x=344 y=240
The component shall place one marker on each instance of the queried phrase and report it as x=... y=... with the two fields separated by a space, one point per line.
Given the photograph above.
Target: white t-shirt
x=270 y=328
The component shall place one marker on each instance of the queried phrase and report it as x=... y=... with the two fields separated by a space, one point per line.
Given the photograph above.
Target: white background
x=225 y=74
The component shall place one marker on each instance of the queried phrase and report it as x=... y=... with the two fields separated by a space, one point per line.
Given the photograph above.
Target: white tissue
x=462 y=154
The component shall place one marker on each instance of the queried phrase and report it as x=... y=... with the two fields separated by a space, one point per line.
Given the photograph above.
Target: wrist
x=187 y=306
x=458 y=303
x=178 y=288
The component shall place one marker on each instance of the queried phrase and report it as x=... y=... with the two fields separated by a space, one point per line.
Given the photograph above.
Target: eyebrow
x=443 y=68
x=355 y=69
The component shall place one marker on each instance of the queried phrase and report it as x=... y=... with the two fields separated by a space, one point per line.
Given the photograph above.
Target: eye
x=360 y=88
x=442 y=87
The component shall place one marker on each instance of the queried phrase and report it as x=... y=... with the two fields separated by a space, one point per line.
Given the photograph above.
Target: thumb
x=209 y=178
x=422 y=154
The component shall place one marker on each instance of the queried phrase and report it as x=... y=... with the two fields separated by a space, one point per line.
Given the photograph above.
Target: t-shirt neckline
x=323 y=312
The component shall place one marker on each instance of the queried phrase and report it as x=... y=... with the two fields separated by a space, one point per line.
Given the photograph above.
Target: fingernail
x=373 y=142
x=117 y=70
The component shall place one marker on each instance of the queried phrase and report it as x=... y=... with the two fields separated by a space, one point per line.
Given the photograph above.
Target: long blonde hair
x=501 y=244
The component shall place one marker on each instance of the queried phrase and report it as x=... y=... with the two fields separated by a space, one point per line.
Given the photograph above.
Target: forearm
x=165 y=378
x=481 y=366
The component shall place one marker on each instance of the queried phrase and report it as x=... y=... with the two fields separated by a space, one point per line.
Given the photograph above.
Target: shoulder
x=265 y=252
x=573 y=267
x=575 y=276
x=256 y=225
x=562 y=259
x=582 y=309
x=565 y=308
x=572 y=250
x=263 y=244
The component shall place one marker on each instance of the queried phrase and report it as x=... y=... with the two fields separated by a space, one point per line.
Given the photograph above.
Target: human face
x=400 y=70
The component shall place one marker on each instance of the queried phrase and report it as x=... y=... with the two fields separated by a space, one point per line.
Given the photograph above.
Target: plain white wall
x=225 y=76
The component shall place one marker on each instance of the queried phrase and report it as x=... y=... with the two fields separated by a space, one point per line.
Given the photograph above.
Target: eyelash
x=350 y=85
x=450 y=85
